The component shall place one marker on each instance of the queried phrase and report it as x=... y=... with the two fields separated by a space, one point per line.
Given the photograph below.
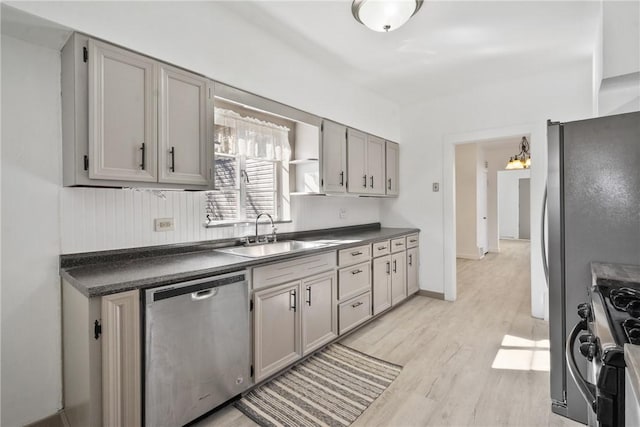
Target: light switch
x=436 y=187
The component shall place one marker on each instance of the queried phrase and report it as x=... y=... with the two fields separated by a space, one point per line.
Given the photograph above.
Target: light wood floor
x=448 y=349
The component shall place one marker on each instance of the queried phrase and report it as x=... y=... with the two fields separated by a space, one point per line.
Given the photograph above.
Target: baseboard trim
x=431 y=294
x=59 y=419
x=474 y=257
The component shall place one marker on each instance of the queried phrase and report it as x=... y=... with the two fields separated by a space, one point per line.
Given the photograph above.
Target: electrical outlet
x=342 y=214
x=436 y=187
x=163 y=224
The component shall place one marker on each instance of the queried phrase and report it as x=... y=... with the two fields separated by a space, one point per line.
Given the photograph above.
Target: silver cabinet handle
x=412 y=241
x=371 y=181
x=342 y=179
x=389 y=183
x=395 y=270
x=364 y=184
x=356 y=253
x=388 y=267
x=399 y=244
x=173 y=159
x=381 y=248
x=358 y=304
x=309 y=296
x=410 y=259
x=356 y=271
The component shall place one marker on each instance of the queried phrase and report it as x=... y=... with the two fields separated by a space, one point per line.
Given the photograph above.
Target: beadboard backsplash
x=95 y=219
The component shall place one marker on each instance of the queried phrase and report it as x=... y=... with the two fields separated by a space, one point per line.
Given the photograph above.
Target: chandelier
x=522 y=160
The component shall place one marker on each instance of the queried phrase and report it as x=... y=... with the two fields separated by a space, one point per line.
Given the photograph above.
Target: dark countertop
x=107 y=272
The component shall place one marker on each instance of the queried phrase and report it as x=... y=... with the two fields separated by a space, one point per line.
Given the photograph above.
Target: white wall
x=31 y=179
x=33 y=233
x=621 y=38
x=509 y=202
x=430 y=129
x=466 y=201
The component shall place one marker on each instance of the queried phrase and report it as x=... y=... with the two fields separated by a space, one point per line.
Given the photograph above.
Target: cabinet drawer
x=354 y=255
x=381 y=248
x=398 y=245
x=412 y=240
x=354 y=280
x=287 y=271
x=353 y=312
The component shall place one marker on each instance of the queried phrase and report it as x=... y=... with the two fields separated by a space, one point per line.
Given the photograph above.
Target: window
x=251 y=169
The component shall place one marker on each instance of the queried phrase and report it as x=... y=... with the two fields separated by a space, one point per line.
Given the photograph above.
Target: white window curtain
x=251 y=137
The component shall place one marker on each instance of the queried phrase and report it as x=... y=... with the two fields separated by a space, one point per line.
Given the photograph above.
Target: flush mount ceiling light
x=522 y=160
x=384 y=15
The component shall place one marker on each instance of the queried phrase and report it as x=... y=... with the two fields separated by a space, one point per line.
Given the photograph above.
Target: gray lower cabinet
x=276 y=328
x=101 y=366
x=412 y=271
x=292 y=320
x=381 y=284
x=398 y=277
x=319 y=318
x=354 y=312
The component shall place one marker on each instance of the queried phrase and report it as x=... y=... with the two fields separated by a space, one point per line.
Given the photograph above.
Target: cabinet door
x=381 y=284
x=122 y=115
x=375 y=164
x=121 y=359
x=398 y=277
x=276 y=329
x=334 y=157
x=412 y=271
x=357 y=181
x=182 y=156
x=319 y=319
x=393 y=168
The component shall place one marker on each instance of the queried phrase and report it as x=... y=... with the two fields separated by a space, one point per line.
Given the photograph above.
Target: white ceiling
x=447 y=46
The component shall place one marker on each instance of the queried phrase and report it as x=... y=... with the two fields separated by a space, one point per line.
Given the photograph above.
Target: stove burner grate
x=626 y=299
x=632 y=330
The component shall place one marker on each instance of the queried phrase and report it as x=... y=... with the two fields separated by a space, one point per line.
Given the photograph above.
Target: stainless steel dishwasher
x=197 y=347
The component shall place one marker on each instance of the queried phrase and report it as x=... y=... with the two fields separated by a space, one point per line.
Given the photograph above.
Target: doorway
x=534 y=132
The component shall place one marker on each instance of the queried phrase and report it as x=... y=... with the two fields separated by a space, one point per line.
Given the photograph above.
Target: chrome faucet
x=273 y=228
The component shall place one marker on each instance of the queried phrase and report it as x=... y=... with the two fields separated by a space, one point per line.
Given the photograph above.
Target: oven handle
x=587 y=389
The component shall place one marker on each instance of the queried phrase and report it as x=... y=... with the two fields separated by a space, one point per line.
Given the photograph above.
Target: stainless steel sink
x=270 y=249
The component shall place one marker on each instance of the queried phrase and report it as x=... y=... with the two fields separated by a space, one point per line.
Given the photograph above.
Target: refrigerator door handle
x=543 y=241
x=587 y=390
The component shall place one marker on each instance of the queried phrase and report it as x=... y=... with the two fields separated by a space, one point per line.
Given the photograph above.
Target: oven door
x=586 y=386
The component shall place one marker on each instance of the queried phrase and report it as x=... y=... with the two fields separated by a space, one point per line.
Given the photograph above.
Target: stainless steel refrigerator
x=593 y=212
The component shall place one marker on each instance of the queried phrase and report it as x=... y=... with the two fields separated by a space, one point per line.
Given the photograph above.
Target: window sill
x=220 y=224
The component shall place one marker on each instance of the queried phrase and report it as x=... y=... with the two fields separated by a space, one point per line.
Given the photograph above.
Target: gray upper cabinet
x=122 y=118
x=366 y=158
x=183 y=118
x=392 y=168
x=334 y=157
x=130 y=120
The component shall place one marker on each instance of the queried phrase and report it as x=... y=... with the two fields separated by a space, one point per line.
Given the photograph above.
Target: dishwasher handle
x=205 y=294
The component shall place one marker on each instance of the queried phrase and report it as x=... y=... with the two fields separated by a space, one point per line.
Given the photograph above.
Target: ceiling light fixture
x=384 y=15
x=522 y=160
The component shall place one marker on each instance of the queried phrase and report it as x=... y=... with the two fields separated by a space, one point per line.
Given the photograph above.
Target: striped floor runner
x=331 y=388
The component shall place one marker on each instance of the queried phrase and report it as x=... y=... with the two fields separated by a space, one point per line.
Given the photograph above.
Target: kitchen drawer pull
x=380 y=248
x=395 y=270
x=356 y=271
x=142 y=165
x=358 y=304
x=412 y=241
x=364 y=184
x=356 y=253
x=309 y=296
x=292 y=300
x=399 y=243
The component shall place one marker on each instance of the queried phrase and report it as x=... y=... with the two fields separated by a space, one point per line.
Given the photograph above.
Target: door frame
x=537 y=134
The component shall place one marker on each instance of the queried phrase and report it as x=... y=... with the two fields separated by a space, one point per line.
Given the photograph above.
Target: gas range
x=622 y=304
